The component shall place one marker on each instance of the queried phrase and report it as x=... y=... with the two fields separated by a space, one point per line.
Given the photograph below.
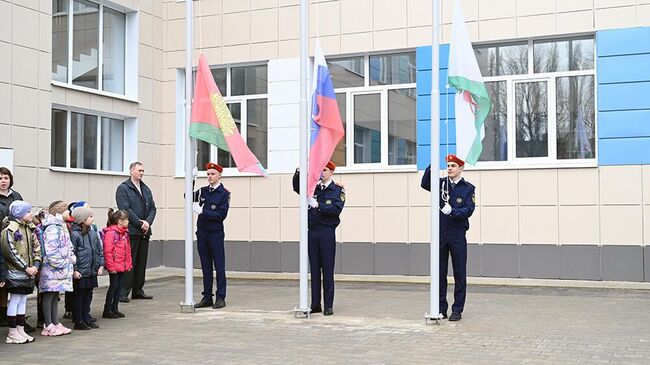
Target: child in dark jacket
x=90 y=263
x=117 y=256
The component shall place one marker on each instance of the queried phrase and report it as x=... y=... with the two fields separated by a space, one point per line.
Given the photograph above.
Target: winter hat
x=19 y=209
x=80 y=214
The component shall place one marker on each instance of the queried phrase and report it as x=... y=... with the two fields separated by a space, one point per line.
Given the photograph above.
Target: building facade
x=563 y=185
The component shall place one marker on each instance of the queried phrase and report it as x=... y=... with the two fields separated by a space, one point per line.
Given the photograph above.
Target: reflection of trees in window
x=347 y=72
x=495 y=143
x=532 y=119
x=502 y=60
x=563 y=55
x=575 y=117
x=338 y=157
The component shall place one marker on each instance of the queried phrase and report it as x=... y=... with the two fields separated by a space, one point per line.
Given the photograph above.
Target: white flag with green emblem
x=472 y=99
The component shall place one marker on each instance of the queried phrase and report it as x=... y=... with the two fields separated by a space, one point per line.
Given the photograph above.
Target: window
x=376 y=98
x=89 y=46
x=88 y=141
x=245 y=90
x=543 y=101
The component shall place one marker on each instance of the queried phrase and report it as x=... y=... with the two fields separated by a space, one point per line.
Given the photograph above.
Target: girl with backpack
x=117 y=256
x=57 y=267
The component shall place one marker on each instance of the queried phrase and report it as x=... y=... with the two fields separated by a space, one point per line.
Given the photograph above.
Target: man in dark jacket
x=324 y=209
x=134 y=196
x=456 y=206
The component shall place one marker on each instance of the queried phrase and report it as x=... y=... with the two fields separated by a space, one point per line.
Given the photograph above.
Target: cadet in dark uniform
x=454 y=223
x=324 y=209
x=215 y=201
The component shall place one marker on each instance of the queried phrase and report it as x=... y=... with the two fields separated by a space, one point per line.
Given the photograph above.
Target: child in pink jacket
x=117 y=254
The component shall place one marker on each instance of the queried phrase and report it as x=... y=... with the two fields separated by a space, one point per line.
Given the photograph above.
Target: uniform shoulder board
x=339 y=185
x=227 y=191
x=469 y=183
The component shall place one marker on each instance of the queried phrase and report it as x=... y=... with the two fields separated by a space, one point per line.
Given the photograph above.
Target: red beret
x=214 y=166
x=454 y=158
x=330 y=165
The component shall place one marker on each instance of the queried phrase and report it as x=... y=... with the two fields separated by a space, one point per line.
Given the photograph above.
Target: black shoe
x=119 y=314
x=39 y=324
x=81 y=326
x=92 y=325
x=220 y=303
x=328 y=312
x=67 y=315
x=455 y=317
x=29 y=328
x=444 y=315
x=91 y=319
x=141 y=296
x=316 y=309
x=204 y=303
x=124 y=299
x=110 y=315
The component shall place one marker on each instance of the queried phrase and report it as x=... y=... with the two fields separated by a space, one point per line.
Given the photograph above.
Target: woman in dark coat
x=7 y=196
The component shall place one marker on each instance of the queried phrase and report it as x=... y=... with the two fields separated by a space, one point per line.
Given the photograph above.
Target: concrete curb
x=166 y=272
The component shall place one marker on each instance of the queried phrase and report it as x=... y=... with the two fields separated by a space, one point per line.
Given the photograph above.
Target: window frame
x=129 y=141
x=550 y=161
x=131 y=40
x=382 y=90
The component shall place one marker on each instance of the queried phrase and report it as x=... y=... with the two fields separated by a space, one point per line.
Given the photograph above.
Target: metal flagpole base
x=187 y=307
x=433 y=319
x=301 y=313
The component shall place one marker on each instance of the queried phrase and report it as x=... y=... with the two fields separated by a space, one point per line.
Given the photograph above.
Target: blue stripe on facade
x=623 y=96
x=423 y=113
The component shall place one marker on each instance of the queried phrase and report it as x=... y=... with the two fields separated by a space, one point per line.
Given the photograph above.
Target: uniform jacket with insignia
x=330 y=203
x=215 y=206
x=461 y=199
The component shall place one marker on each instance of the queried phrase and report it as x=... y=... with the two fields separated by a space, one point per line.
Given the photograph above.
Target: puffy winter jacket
x=117 y=249
x=58 y=256
x=88 y=250
x=21 y=250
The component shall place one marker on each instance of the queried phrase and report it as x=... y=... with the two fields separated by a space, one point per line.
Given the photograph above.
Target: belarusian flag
x=472 y=98
x=212 y=122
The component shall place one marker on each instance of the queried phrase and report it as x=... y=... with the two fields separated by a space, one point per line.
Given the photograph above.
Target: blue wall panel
x=623 y=74
x=621 y=124
x=626 y=68
x=424 y=155
x=425 y=125
x=624 y=96
x=624 y=151
x=616 y=42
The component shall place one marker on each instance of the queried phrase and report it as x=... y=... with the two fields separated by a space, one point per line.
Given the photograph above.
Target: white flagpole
x=304 y=133
x=188 y=303
x=434 y=308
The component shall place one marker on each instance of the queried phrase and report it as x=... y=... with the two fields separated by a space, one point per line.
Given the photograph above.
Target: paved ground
x=374 y=323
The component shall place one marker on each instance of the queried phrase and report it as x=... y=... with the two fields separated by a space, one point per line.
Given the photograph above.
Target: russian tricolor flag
x=326 y=125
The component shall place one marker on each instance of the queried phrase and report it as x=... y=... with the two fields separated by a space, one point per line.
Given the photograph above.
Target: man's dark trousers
x=322 y=254
x=134 y=279
x=212 y=254
x=454 y=244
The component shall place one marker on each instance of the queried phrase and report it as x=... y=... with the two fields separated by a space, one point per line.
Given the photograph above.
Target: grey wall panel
x=154 y=257
x=338 y=261
x=500 y=260
x=238 y=256
x=266 y=256
x=622 y=263
x=173 y=254
x=473 y=260
x=580 y=262
x=646 y=263
x=539 y=261
x=418 y=259
x=391 y=259
x=290 y=257
x=357 y=258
